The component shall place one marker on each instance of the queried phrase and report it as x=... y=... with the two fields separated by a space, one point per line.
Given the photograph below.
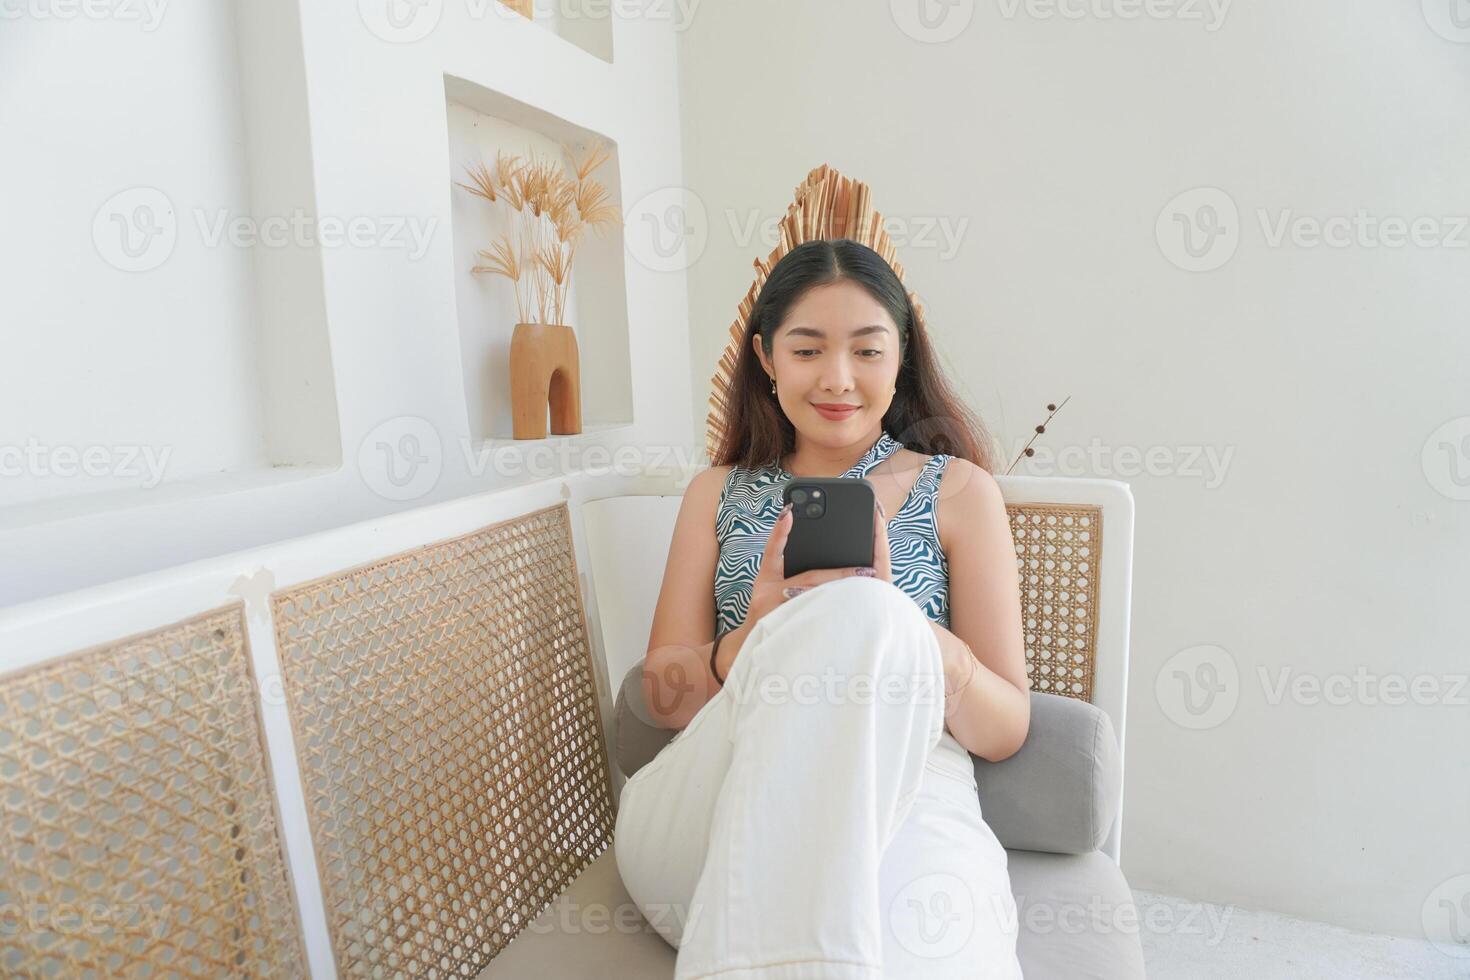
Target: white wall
x=94 y=355
x=94 y=105
x=1319 y=542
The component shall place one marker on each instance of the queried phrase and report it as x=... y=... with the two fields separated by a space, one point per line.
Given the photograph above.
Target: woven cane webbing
x=1058 y=547
x=450 y=741
x=138 y=832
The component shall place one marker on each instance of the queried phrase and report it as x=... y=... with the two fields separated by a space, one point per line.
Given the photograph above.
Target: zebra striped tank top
x=751 y=501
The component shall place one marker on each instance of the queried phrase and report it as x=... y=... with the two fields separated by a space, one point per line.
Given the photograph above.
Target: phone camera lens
x=813 y=510
x=798 y=496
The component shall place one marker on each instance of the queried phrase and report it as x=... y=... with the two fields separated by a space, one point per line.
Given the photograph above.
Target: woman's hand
x=772 y=587
x=881 y=565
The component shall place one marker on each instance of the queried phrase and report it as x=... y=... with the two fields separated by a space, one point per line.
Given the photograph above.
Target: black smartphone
x=832 y=522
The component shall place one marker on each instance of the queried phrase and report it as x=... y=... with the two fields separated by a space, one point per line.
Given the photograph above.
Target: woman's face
x=836 y=346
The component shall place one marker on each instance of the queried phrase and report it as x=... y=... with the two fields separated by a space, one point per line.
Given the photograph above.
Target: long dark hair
x=926 y=416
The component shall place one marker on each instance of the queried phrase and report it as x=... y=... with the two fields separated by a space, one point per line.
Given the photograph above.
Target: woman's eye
x=801 y=352
x=874 y=351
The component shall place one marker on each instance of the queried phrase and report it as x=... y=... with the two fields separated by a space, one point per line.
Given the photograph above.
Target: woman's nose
x=838 y=376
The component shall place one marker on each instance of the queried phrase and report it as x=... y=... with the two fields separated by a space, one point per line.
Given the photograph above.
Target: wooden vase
x=544 y=369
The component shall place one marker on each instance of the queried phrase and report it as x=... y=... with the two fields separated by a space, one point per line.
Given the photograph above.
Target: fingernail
x=791 y=592
x=869 y=572
x=785 y=510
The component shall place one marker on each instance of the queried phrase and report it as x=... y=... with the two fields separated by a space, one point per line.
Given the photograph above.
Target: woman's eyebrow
x=814 y=332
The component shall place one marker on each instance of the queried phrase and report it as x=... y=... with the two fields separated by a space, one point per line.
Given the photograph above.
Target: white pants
x=815 y=819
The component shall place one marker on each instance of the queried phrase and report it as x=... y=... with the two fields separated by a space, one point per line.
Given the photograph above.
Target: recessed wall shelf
x=481 y=123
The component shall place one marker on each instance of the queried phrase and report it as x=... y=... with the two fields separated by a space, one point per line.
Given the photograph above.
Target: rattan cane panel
x=138 y=831
x=451 y=744
x=1058 y=549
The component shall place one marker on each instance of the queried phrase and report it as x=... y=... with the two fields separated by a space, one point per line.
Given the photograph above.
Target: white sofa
x=558 y=908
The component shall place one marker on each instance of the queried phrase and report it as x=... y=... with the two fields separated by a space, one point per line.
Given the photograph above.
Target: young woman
x=818 y=816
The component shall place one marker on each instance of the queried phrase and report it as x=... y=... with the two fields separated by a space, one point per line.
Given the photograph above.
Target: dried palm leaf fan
x=827 y=206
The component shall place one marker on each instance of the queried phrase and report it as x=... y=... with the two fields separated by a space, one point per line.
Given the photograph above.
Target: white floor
x=1186 y=940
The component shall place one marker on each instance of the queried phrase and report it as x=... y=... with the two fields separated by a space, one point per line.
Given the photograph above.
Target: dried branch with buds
x=1028 y=451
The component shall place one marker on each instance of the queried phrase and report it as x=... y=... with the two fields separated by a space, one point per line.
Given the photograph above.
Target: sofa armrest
x=637 y=738
x=1059 y=792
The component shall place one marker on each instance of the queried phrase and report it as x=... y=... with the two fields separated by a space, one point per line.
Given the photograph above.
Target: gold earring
x=773 y=384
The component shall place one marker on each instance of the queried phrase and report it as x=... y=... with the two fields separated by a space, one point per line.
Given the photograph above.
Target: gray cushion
x=1073 y=913
x=1058 y=793
x=1076 y=916
x=636 y=739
